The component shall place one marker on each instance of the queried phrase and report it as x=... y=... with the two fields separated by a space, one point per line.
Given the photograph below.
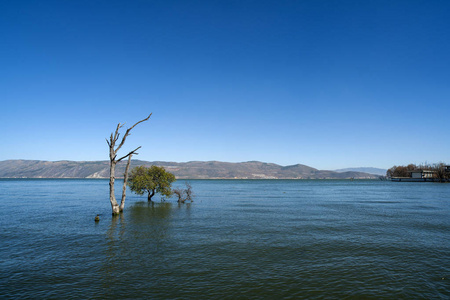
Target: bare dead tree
x=188 y=192
x=184 y=194
x=116 y=209
x=179 y=193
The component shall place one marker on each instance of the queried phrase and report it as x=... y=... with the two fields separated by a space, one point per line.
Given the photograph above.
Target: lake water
x=240 y=239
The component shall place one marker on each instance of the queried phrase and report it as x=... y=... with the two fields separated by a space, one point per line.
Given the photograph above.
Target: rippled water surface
x=239 y=240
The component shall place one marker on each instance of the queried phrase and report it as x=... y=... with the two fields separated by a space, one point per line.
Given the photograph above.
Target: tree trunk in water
x=125 y=180
x=116 y=209
x=150 y=195
x=112 y=197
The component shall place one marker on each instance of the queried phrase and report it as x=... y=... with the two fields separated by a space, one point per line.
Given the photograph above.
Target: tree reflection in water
x=151 y=221
x=137 y=240
x=144 y=222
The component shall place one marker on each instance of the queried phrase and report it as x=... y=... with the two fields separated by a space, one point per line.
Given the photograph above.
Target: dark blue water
x=238 y=240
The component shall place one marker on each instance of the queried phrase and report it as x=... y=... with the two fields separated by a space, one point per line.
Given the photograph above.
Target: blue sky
x=329 y=84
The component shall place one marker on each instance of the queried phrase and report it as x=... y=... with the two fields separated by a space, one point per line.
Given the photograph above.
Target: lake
x=239 y=239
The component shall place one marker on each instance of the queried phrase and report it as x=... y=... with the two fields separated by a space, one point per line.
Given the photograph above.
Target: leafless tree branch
x=130 y=153
x=128 y=132
x=116 y=134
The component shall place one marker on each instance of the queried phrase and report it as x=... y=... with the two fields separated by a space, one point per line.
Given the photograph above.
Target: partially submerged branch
x=125 y=180
x=184 y=194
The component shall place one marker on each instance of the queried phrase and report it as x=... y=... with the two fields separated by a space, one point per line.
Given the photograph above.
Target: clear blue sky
x=329 y=84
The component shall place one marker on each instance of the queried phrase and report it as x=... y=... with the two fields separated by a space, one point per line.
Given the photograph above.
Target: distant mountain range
x=376 y=171
x=187 y=170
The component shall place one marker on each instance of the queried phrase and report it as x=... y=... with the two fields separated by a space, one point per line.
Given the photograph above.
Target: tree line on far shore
x=440 y=171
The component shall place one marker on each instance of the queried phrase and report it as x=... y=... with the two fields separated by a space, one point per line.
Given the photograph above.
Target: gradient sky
x=329 y=84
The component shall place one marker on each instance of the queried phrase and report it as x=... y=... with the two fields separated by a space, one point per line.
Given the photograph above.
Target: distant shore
x=187 y=170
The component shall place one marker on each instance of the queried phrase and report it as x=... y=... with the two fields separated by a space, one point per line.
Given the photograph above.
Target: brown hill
x=187 y=170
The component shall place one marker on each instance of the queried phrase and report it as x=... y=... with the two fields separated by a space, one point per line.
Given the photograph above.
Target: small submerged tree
x=153 y=180
x=184 y=194
x=116 y=208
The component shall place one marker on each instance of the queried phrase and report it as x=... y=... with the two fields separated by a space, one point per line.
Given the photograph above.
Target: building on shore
x=421 y=175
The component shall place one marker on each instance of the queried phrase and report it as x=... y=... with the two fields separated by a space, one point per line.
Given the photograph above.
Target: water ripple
x=238 y=240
